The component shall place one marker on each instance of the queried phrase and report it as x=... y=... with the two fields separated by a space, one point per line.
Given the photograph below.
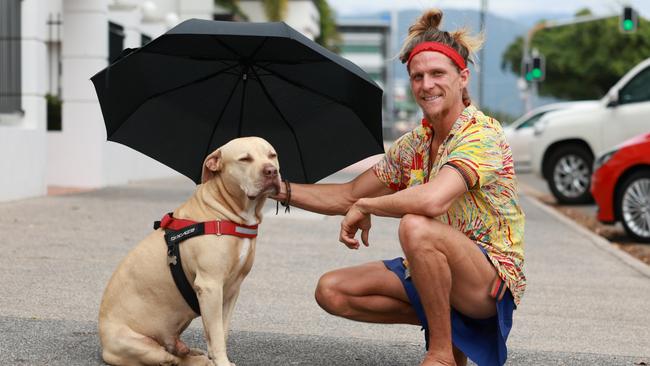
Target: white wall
x=303 y=16
x=22 y=137
x=75 y=152
x=79 y=155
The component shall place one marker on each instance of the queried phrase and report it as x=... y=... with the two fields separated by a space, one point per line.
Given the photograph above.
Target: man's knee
x=418 y=233
x=329 y=295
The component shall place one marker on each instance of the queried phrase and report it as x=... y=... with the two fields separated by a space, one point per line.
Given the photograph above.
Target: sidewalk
x=586 y=303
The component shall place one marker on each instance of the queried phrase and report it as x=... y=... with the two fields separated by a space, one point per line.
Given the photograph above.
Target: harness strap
x=176 y=267
x=179 y=230
x=216 y=227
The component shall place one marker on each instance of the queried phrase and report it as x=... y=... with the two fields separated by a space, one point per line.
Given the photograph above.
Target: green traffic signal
x=628 y=25
x=537 y=73
x=628 y=22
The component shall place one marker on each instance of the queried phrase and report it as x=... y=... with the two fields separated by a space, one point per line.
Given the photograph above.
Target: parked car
x=520 y=132
x=621 y=186
x=567 y=141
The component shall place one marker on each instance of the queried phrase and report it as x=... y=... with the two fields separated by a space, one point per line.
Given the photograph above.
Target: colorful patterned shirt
x=488 y=212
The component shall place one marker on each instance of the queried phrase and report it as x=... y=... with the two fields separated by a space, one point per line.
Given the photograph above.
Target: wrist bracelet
x=287 y=201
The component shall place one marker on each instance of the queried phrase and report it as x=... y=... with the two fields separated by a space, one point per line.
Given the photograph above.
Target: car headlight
x=604 y=158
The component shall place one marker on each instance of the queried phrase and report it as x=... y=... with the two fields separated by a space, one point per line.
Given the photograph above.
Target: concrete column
x=75 y=154
x=23 y=136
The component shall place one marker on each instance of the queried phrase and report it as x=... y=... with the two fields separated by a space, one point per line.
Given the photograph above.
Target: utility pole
x=481 y=67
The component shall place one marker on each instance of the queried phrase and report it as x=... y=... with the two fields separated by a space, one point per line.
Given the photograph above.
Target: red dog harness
x=179 y=230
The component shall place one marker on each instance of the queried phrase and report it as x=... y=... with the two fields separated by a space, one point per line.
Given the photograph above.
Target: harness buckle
x=218 y=227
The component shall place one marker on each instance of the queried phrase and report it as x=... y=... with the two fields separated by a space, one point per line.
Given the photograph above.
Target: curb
x=595 y=239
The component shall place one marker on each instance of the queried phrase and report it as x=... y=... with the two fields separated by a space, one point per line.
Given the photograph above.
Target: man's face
x=436 y=83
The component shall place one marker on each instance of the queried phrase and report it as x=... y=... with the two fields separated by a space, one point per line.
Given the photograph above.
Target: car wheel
x=634 y=206
x=569 y=174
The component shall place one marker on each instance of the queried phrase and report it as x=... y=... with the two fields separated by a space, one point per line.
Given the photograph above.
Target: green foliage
x=233 y=7
x=54 y=105
x=583 y=60
x=329 y=36
x=275 y=10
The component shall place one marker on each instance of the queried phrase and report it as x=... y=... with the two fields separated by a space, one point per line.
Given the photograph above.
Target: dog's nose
x=270 y=171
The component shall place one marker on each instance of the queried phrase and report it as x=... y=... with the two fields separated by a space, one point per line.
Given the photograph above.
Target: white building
x=366 y=42
x=52 y=48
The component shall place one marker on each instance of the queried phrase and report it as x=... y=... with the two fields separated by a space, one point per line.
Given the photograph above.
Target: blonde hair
x=426 y=29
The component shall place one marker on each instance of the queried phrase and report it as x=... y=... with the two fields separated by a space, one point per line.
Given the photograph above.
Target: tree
x=275 y=10
x=329 y=36
x=583 y=60
x=233 y=7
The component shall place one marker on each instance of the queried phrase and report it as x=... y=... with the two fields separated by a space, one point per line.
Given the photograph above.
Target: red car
x=621 y=186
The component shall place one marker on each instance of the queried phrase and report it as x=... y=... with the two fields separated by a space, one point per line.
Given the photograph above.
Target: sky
x=507 y=8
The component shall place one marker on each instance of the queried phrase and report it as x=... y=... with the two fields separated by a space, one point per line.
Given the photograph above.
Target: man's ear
x=211 y=166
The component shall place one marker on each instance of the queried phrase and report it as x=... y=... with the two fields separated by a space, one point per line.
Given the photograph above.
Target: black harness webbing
x=173 y=239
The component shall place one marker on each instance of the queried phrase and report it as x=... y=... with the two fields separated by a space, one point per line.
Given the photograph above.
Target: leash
x=179 y=230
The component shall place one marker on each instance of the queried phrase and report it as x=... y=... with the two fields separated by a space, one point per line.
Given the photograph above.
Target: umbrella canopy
x=204 y=83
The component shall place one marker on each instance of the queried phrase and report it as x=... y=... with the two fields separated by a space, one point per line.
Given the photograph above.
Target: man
x=451 y=183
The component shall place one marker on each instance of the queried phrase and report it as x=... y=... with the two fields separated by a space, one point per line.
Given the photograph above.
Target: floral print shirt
x=489 y=212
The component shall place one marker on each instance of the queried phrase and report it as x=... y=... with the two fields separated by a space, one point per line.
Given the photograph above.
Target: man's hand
x=355 y=220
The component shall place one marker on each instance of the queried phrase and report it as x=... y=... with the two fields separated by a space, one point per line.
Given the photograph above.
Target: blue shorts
x=481 y=340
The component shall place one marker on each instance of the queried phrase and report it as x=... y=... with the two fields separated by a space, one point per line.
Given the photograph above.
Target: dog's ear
x=211 y=166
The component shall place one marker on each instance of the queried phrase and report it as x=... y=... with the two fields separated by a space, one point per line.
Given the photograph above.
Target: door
x=631 y=116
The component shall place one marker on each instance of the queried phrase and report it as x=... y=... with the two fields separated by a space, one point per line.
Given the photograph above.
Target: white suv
x=567 y=141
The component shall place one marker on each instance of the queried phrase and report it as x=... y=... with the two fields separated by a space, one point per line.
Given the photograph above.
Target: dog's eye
x=273 y=155
x=246 y=158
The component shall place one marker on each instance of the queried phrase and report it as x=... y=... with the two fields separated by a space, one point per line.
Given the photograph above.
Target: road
x=586 y=303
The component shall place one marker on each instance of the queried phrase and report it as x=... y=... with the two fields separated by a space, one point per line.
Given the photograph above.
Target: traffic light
x=628 y=23
x=537 y=70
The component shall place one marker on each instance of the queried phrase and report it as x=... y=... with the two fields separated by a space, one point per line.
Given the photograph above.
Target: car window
x=638 y=89
x=532 y=120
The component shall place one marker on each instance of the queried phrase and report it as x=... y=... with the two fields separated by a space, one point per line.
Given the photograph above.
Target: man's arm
x=431 y=199
x=334 y=199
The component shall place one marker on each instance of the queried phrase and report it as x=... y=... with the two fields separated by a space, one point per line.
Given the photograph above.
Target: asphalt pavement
x=586 y=302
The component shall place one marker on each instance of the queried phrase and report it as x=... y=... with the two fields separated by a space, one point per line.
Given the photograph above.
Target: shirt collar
x=465 y=116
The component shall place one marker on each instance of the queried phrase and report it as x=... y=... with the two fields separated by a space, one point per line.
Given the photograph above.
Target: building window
x=10 y=82
x=359 y=48
x=115 y=41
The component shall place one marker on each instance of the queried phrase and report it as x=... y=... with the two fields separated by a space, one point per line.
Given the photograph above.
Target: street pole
x=481 y=55
x=530 y=91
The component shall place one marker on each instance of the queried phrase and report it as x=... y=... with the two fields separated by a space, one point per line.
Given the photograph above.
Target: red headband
x=438 y=47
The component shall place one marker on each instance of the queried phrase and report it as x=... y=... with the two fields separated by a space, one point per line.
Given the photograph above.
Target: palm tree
x=276 y=10
x=233 y=7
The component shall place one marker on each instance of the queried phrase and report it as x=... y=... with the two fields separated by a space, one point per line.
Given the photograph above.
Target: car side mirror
x=613 y=98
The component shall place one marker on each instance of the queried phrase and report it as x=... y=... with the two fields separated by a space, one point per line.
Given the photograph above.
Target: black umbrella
x=204 y=83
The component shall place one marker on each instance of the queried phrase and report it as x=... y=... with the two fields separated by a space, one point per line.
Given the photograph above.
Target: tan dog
x=142 y=312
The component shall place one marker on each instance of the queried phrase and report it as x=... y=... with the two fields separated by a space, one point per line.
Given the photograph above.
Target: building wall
x=366 y=43
x=79 y=155
x=22 y=136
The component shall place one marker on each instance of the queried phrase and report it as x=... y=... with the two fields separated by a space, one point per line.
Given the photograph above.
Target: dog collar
x=215 y=227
